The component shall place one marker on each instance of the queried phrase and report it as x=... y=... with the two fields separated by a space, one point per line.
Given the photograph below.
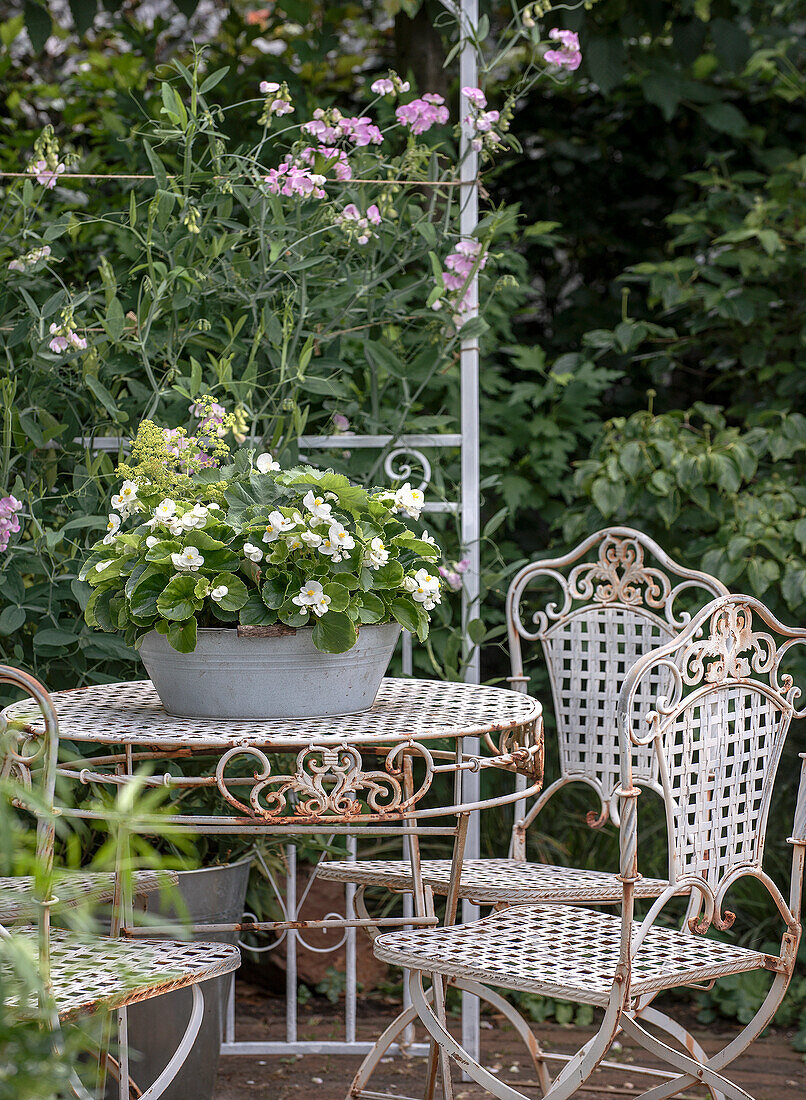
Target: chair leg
x=518 y=1023
x=694 y=1071
x=180 y=1054
x=575 y=1073
x=678 y=1032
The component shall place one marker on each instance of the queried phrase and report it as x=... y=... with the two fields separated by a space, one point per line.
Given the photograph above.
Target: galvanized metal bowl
x=230 y=675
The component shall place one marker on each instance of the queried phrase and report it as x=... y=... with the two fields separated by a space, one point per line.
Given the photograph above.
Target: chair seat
x=563 y=951
x=96 y=973
x=492 y=881
x=72 y=888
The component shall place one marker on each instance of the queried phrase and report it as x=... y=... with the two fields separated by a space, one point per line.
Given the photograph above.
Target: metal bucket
x=212 y=895
x=228 y=676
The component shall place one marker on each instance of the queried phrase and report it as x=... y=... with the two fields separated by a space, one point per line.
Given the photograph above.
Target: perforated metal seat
x=564 y=951
x=93 y=973
x=494 y=881
x=17 y=900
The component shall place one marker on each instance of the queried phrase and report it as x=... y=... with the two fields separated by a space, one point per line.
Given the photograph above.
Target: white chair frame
x=718 y=735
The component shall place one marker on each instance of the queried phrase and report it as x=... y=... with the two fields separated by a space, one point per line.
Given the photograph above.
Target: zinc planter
x=212 y=895
x=230 y=676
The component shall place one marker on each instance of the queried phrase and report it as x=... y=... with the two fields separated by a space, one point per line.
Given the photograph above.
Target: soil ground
x=772 y=1070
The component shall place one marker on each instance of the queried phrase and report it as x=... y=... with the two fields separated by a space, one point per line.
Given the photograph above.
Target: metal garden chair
x=718 y=730
x=85 y=974
x=615 y=606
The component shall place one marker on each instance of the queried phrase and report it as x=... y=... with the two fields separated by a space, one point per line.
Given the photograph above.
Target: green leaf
x=405 y=612
x=335 y=632
x=54 y=636
x=275 y=591
x=255 y=613
x=213 y=79
x=11 y=619
x=144 y=595
x=236 y=591
x=182 y=636
x=725 y=118
x=339 y=596
x=115 y=321
x=83 y=12
x=388 y=576
x=371 y=609
x=38 y=23
x=178 y=600
x=605 y=60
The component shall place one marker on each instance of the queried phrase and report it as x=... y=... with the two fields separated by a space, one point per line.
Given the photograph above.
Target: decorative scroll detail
x=526 y=747
x=620 y=576
x=329 y=781
x=20 y=748
x=398 y=466
x=732 y=651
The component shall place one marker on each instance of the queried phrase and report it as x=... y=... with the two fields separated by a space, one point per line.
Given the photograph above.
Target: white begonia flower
x=318 y=508
x=195 y=518
x=409 y=500
x=311 y=538
x=254 y=553
x=309 y=595
x=152 y=540
x=214 y=507
x=327 y=548
x=425 y=537
x=276 y=526
x=378 y=554
x=294 y=542
x=175 y=528
x=341 y=537
x=424 y=588
x=101 y=565
x=112 y=528
x=266 y=464
x=188 y=561
x=321 y=605
x=220 y=592
x=165 y=509
x=128 y=491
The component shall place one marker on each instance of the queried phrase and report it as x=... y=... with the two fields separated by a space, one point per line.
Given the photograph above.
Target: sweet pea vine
x=198 y=537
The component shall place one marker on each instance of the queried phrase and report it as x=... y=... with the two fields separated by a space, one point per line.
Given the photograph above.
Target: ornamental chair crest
x=718 y=730
x=618 y=594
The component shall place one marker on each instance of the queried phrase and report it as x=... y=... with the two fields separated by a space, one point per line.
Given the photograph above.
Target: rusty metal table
x=364 y=776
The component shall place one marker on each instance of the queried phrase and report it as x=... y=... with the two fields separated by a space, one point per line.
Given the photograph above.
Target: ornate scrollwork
x=398 y=466
x=20 y=748
x=732 y=651
x=329 y=781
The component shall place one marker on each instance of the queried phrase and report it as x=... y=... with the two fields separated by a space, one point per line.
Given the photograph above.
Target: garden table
x=364 y=776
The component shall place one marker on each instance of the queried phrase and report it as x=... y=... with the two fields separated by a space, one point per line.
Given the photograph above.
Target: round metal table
x=364 y=776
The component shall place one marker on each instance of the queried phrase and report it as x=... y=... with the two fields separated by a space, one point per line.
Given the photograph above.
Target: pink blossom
x=341 y=164
x=451 y=577
x=340 y=422
x=175 y=441
x=421 y=114
x=291 y=180
x=317 y=128
x=360 y=131
x=351 y=211
x=384 y=86
x=374 y=214
x=9 y=522
x=45 y=175
x=268 y=86
x=58 y=343
x=569 y=55
x=475 y=96
x=281 y=107
x=453 y=282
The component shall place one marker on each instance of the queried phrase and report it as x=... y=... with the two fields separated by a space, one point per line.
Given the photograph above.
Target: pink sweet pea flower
x=569 y=55
x=475 y=96
x=384 y=86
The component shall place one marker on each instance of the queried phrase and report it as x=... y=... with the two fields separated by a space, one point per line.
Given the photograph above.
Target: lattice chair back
x=718 y=733
x=23 y=756
x=615 y=606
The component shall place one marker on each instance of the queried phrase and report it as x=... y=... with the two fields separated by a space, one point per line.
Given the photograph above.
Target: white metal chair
x=615 y=606
x=718 y=731
x=85 y=974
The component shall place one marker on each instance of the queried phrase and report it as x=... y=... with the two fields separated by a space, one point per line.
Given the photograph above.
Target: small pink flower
x=340 y=422
x=58 y=343
x=475 y=96
x=421 y=114
x=384 y=86
x=569 y=55
x=374 y=214
x=45 y=175
x=281 y=107
x=268 y=86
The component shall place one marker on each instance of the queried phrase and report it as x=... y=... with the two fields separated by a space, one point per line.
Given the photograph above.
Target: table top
x=131 y=713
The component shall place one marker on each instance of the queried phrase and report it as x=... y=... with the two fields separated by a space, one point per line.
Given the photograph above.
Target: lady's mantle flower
x=254 y=553
x=188 y=561
x=9 y=521
x=421 y=114
x=424 y=588
x=22 y=263
x=312 y=595
x=378 y=554
x=220 y=592
x=276 y=526
x=318 y=507
x=266 y=464
x=569 y=55
x=112 y=528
